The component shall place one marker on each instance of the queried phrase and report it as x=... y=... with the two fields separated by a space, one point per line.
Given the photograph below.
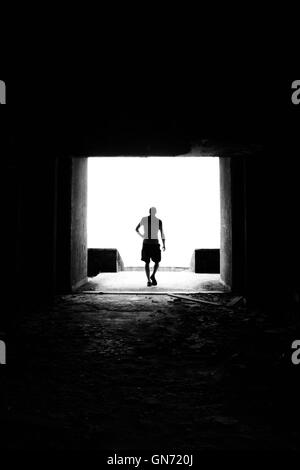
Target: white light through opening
x=185 y=191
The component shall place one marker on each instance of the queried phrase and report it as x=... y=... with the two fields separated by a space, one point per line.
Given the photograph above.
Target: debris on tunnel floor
x=136 y=371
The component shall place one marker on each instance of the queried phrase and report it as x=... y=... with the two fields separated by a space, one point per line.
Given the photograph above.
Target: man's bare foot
x=154 y=282
x=149 y=283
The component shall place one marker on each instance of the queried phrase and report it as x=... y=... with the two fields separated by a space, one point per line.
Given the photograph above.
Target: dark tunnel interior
x=195 y=378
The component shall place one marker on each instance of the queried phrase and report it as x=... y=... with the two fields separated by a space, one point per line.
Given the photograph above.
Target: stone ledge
x=105 y=260
x=206 y=260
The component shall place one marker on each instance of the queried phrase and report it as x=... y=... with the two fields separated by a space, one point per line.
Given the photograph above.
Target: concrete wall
x=233 y=222
x=63 y=225
x=78 y=222
x=239 y=215
x=226 y=222
x=273 y=236
x=30 y=231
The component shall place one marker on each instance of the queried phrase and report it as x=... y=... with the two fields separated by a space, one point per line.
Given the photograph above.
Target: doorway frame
x=71 y=260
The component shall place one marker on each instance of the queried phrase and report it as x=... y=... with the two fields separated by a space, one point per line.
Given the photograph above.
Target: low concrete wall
x=105 y=260
x=206 y=261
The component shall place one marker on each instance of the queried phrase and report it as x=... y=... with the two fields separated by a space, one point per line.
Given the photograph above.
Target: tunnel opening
x=74 y=265
x=186 y=192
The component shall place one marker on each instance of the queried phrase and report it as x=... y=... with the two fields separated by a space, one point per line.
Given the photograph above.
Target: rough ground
x=168 y=281
x=150 y=372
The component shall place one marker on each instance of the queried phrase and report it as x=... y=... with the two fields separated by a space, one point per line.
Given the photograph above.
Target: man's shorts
x=151 y=251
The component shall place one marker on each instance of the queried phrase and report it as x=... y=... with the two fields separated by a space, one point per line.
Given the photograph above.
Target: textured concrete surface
x=149 y=372
x=135 y=281
x=226 y=221
x=79 y=222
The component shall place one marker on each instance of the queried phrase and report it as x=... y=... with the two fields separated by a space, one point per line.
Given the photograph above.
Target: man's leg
x=156 y=265
x=147 y=269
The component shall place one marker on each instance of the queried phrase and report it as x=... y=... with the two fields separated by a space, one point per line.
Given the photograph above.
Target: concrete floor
x=99 y=372
x=168 y=281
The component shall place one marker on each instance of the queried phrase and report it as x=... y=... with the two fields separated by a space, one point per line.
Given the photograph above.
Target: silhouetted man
x=151 y=247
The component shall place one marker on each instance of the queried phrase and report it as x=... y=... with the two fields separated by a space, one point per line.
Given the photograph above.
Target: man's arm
x=137 y=230
x=162 y=235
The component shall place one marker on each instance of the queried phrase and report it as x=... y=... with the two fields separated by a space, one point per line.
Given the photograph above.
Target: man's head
x=152 y=211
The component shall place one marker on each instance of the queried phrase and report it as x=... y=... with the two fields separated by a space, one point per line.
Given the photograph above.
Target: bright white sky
x=185 y=191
